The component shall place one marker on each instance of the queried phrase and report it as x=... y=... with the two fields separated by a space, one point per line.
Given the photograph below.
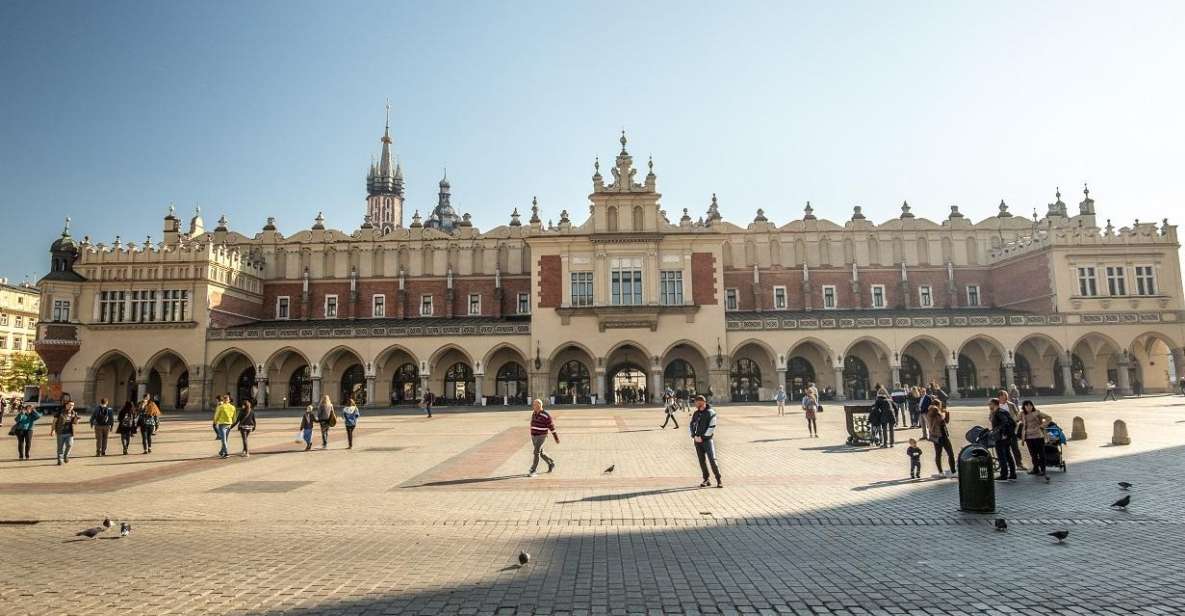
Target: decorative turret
x=808 y=212
x=623 y=174
x=760 y=216
x=197 y=226
x=857 y=212
x=1086 y=207
x=223 y=224
x=535 y=211
x=954 y=212
x=1057 y=208
x=1003 y=210
x=514 y=219
x=384 y=186
x=415 y=220
x=713 y=210
x=271 y=224
x=172 y=230
x=905 y=213
x=443 y=218
x=319 y=221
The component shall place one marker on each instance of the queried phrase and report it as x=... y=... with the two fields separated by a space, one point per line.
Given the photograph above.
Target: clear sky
x=109 y=111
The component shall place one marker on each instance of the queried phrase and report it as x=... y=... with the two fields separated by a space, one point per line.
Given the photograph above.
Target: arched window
x=855 y=378
x=1022 y=374
x=405 y=384
x=966 y=377
x=679 y=377
x=353 y=385
x=799 y=374
x=911 y=371
x=639 y=218
x=458 y=383
x=1077 y=375
x=746 y=380
x=300 y=388
x=572 y=380
x=511 y=382
x=244 y=384
x=611 y=218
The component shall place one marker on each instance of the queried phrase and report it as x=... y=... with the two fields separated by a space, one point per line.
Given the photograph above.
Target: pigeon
x=91 y=533
x=611 y=467
x=1123 y=485
x=1001 y=524
x=125 y=529
x=1060 y=535
x=523 y=558
x=1123 y=502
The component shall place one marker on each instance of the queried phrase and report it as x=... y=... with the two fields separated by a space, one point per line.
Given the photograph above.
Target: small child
x=915 y=459
x=307 y=421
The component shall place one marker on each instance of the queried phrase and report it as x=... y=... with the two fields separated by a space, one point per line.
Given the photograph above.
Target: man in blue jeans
x=703 y=429
x=224 y=418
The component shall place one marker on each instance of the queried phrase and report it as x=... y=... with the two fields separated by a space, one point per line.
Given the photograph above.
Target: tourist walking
x=670 y=408
x=927 y=400
x=326 y=418
x=126 y=427
x=541 y=424
x=245 y=422
x=1111 y=391
x=938 y=419
x=915 y=459
x=63 y=427
x=1032 y=431
x=429 y=400
x=350 y=415
x=900 y=400
x=888 y=418
x=22 y=429
x=147 y=420
x=1010 y=405
x=307 y=421
x=810 y=407
x=703 y=434
x=913 y=399
x=1004 y=431
x=780 y=398
x=102 y=418
x=224 y=418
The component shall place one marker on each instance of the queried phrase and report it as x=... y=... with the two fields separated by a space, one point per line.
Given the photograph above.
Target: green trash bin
x=977 y=486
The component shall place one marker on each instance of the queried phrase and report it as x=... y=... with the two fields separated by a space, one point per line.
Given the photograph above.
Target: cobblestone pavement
x=426 y=516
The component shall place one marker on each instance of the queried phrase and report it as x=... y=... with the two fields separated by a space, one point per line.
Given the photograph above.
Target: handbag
x=332 y=419
x=12 y=430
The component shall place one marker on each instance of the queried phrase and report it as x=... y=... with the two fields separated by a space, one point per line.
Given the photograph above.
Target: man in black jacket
x=102 y=418
x=1004 y=430
x=703 y=429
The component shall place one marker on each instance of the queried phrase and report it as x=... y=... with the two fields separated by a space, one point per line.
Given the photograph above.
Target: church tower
x=384 y=187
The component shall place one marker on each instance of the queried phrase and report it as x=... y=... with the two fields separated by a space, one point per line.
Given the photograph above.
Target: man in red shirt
x=541 y=424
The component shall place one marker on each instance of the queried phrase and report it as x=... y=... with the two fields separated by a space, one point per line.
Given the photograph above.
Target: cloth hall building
x=628 y=299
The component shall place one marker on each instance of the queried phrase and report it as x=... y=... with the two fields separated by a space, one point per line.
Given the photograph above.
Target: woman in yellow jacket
x=224 y=418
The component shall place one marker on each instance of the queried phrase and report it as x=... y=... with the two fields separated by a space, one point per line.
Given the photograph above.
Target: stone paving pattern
x=426 y=516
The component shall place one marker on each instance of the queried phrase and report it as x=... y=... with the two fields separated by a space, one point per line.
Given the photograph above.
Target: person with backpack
x=147 y=421
x=326 y=418
x=1004 y=431
x=102 y=418
x=126 y=425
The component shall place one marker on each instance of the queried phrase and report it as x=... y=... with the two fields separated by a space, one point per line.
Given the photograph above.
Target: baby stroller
x=1055 y=437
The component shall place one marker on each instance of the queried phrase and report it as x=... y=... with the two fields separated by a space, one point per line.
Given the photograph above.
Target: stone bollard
x=1120 y=437
x=1079 y=431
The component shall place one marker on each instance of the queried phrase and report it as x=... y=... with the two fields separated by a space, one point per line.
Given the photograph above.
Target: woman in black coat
x=126 y=425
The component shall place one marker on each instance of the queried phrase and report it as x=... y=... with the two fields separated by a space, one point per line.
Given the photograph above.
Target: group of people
x=142 y=417
x=1009 y=426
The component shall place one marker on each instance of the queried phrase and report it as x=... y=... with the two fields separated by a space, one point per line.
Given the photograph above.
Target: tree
x=21 y=369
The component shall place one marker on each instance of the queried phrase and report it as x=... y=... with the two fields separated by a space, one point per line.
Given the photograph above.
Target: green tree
x=21 y=369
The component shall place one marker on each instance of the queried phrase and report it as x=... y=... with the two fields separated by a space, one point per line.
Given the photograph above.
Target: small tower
x=384 y=186
x=1057 y=208
x=62 y=254
x=444 y=217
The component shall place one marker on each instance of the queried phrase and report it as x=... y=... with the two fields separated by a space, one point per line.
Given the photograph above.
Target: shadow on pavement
x=461 y=482
x=600 y=498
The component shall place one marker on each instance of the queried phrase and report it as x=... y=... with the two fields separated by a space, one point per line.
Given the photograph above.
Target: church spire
x=384 y=184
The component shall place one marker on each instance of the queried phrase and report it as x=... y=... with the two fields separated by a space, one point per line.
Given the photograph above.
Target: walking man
x=102 y=418
x=669 y=409
x=1004 y=430
x=1111 y=393
x=224 y=418
x=541 y=424
x=780 y=398
x=703 y=431
x=429 y=400
x=63 y=427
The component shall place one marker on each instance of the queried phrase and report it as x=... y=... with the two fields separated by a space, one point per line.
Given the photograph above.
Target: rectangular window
x=330 y=306
x=582 y=288
x=3 y=342
x=61 y=310
x=19 y=322
x=1116 y=280
x=474 y=305
x=779 y=298
x=17 y=341
x=524 y=303
x=1145 y=280
x=878 y=296
x=671 y=284
x=626 y=278
x=3 y=319
x=925 y=296
x=112 y=307
x=174 y=305
x=143 y=306
x=378 y=306
x=829 y=297
x=972 y=295
x=1087 y=287
x=425 y=305
x=730 y=299
x=282 y=304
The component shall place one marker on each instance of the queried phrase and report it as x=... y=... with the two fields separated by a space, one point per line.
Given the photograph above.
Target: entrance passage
x=629 y=385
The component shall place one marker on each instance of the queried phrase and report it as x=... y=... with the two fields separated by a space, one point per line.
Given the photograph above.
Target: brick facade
x=703 y=278
x=551 y=285
x=1024 y=283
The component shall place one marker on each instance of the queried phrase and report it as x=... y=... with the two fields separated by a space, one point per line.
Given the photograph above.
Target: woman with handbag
x=938 y=420
x=22 y=429
x=327 y=419
x=126 y=425
x=245 y=422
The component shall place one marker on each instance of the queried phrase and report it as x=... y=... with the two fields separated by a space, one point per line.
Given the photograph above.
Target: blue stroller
x=1055 y=437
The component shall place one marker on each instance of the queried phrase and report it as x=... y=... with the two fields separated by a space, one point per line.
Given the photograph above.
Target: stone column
x=952 y=375
x=477 y=379
x=1067 y=376
x=370 y=401
x=1125 y=381
x=1008 y=376
x=782 y=381
x=1178 y=366
x=602 y=397
x=423 y=385
x=656 y=387
x=141 y=389
x=316 y=390
x=894 y=376
x=261 y=397
x=839 y=393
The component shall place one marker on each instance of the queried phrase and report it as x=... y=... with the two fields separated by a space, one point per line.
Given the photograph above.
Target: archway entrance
x=911 y=371
x=458 y=383
x=511 y=383
x=572 y=382
x=746 y=380
x=629 y=385
x=353 y=385
x=799 y=375
x=300 y=387
x=168 y=380
x=679 y=377
x=856 y=381
x=405 y=384
x=115 y=380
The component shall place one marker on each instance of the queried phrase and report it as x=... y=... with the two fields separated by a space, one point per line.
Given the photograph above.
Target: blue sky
x=111 y=110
